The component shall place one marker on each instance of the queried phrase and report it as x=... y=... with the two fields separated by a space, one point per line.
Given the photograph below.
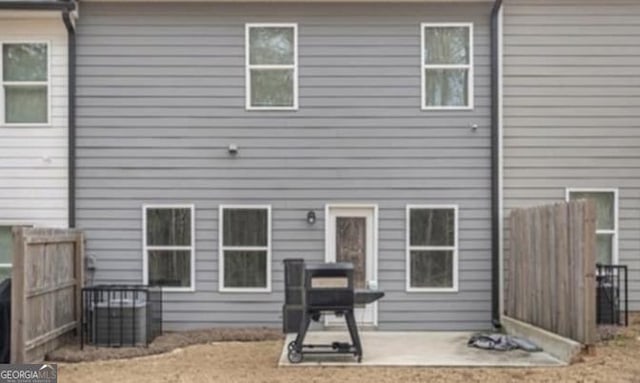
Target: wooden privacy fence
x=46 y=285
x=551 y=269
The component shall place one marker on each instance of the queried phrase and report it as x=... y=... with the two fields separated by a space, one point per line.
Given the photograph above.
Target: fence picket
x=47 y=278
x=551 y=268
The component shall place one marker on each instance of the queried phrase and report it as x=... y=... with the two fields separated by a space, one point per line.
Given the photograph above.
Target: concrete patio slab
x=418 y=349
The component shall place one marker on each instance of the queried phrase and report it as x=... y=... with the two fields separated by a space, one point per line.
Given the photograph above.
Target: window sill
x=448 y=108
x=236 y=290
x=272 y=109
x=26 y=125
x=432 y=290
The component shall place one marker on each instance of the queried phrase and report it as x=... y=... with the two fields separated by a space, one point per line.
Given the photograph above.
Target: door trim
x=374 y=208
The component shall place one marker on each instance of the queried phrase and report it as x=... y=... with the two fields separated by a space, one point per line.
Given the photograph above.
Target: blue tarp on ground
x=502 y=342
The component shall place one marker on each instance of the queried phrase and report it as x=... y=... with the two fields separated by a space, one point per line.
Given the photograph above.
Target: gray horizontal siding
x=161 y=96
x=572 y=101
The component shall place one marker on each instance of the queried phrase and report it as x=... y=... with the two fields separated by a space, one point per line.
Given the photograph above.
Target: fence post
x=18 y=329
x=79 y=277
x=589 y=272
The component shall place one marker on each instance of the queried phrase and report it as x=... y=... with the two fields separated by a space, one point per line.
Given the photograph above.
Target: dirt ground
x=615 y=361
x=165 y=343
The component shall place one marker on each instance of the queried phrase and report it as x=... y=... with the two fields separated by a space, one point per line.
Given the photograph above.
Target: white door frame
x=330 y=241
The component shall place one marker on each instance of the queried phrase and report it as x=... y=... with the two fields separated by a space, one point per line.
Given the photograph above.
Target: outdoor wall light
x=311 y=217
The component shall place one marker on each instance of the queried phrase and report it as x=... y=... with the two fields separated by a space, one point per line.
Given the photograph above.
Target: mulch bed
x=71 y=353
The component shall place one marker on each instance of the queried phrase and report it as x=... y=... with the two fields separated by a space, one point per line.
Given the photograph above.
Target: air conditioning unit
x=121 y=315
x=120 y=322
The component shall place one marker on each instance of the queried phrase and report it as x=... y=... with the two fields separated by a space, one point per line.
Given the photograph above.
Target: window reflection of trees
x=431 y=228
x=447 y=58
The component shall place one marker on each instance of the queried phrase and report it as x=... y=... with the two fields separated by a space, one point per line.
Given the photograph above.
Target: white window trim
x=3 y=83
x=222 y=248
x=146 y=248
x=454 y=248
x=469 y=67
x=614 y=239
x=249 y=66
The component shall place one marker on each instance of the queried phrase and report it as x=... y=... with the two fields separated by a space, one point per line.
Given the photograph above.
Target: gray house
x=215 y=140
x=571 y=107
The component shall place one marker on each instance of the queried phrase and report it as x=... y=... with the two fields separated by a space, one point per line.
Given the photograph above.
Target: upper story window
x=25 y=83
x=606 y=201
x=272 y=66
x=169 y=251
x=432 y=248
x=447 y=66
x=245 y=248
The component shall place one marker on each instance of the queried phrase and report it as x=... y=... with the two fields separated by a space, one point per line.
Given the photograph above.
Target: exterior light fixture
x=311 y=217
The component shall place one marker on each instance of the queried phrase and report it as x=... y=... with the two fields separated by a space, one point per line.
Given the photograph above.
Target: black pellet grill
x=313 y=290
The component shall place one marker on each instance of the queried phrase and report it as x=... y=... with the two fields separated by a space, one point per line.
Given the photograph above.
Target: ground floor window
x=432 y=248
x=6 y=249
x=169 y=251
x=606 y=201
x=245 y=248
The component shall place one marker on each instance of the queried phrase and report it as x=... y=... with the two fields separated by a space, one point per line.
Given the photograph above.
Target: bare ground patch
x=71 y=353
x=615 y=361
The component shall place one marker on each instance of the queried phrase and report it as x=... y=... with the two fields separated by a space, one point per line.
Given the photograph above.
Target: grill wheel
x=294 y=356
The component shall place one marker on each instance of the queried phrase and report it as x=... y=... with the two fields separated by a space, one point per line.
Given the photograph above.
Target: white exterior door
x=351 y=236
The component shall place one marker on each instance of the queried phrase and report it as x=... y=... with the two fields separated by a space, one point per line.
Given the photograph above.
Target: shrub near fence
x=551 y=269
x=46 y=280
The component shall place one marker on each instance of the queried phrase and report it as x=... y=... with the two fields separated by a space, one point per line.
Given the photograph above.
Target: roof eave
x=293 y=1
x=37 y=5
